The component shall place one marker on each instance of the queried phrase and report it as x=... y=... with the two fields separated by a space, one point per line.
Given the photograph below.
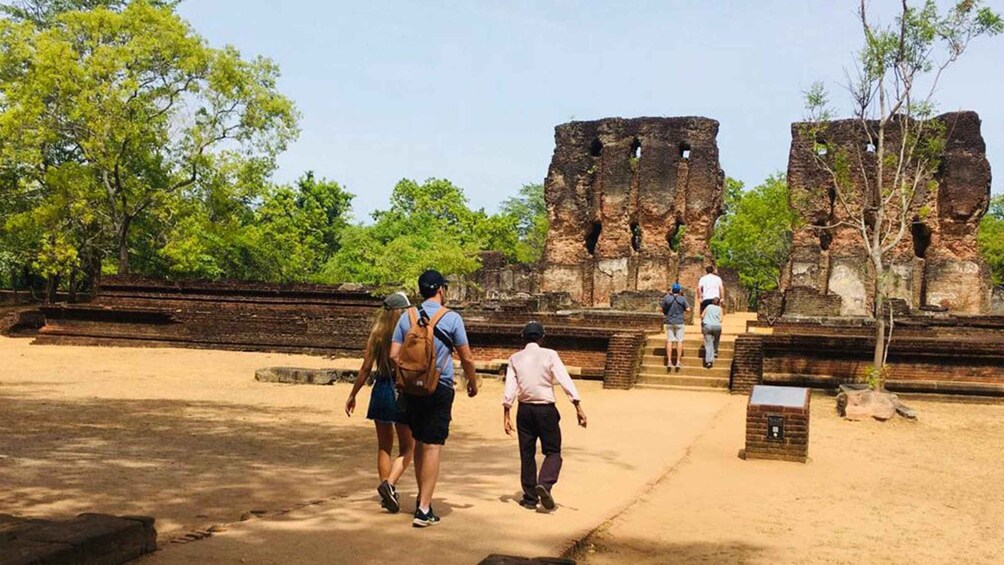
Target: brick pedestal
x=777 y=423
x=747 y=364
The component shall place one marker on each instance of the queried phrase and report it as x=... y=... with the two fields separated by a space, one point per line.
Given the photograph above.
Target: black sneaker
x=546 y=500
x=424 y=519
x=388 y=497
x=528 y=504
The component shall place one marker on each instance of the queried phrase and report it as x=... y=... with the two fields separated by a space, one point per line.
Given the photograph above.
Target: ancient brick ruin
x=631 y=204
x=937 y=264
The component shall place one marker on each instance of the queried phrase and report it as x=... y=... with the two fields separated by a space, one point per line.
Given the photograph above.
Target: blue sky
x=471 y=90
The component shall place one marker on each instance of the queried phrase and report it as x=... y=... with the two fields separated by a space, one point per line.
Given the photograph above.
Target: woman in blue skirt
x=385 y=409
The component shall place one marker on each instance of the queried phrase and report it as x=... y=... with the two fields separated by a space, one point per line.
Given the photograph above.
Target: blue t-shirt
x=451 y=324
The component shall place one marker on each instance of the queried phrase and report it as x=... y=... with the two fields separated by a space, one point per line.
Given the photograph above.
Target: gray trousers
x=712 y=336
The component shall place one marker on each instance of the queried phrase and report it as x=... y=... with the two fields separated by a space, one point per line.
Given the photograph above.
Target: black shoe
x=388 y=497
x=424 y=519
x=528 y=504
x=545 y=497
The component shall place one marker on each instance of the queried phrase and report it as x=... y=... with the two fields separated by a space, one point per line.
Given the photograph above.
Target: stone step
x=684 y=380
x=726 y=329
x=660 y=347
x=690 y=369
x=694 y=336
x=688 y=357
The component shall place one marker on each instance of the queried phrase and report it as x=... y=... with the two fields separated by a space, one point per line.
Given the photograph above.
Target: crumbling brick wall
x=937 y=262
x=620 y=193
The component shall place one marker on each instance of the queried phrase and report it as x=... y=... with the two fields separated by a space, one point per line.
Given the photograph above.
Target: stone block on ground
x=498 y=559
x=88 y=539
x=302 y=376
x=864 y=404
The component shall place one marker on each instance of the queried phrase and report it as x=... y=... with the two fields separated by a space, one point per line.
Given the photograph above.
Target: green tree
x=529 y=211
x=243 y=231
x=428 y=225
x=109 y=116
x=43 y=12
x=754 y=235
x=899 y=70
x=991 y=238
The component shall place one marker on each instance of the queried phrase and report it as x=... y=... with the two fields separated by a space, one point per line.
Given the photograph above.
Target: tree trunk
x=52 y=289
x=123 y=237
x=73 y=287
x=878 y=358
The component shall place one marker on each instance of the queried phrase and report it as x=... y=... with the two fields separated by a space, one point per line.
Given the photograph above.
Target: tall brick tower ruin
x=631 y=204
x=937 y=263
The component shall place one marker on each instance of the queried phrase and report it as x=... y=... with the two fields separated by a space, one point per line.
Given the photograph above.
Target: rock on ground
x=303 y=376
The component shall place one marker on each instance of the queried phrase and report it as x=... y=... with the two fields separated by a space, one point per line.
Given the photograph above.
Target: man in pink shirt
x=530 y=379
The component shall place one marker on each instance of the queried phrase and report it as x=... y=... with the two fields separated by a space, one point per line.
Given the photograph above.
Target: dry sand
x=189 y=437
x=930 y=491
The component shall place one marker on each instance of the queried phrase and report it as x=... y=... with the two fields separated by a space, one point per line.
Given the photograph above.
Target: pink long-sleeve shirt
x=532 y=374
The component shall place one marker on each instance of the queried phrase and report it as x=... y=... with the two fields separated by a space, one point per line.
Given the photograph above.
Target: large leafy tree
x=528 y=211
x=428 y=225
x=754 y=235
x=241 y=231
x=991 y=238
x=109 y=116
x=900 y=68
x=44 y=12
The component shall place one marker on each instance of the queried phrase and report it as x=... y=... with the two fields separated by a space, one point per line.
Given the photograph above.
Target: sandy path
x=189 y=437
x=899 y=492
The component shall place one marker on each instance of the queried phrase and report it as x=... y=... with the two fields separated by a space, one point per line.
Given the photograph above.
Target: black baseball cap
x=533 y=330
x=430 y=281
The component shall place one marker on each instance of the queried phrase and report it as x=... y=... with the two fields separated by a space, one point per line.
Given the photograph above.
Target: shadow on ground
x=186 y=463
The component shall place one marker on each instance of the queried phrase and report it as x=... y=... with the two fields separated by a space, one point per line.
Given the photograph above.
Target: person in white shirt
x=530 y=379
x=710 y=287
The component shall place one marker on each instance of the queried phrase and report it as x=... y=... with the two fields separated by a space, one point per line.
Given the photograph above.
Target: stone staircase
x=693 y=375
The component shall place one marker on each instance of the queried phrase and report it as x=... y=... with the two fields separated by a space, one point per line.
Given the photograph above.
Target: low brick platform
x=88 y=539
x=777 y=423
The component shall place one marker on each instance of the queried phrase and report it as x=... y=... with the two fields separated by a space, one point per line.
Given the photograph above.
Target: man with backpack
x=674 y=306
x=422 y=350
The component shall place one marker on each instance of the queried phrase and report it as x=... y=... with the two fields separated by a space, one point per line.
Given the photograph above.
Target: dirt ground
x=189 y=437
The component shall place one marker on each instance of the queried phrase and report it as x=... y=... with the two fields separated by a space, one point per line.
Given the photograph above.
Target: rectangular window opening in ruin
x=685 y=151
x=636 y=149
x=921 y=237
x=675 y=235
x=593 y=237
x=820 y=147
x=596 y=148
x=825 y=237
x=636 y=237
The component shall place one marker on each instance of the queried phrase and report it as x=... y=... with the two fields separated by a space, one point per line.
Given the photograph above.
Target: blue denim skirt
x=385 y=405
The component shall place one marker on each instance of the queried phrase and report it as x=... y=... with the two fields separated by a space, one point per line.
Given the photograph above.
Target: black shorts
x=429 y=416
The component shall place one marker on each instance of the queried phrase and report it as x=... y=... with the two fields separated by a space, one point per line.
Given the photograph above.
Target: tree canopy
x=109 y=116
x=430 y=225
x=991 y=238
x=754 y=235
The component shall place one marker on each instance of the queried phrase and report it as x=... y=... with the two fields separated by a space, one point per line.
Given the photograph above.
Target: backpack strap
x=433 y=321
